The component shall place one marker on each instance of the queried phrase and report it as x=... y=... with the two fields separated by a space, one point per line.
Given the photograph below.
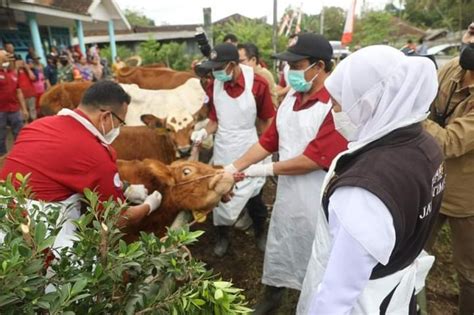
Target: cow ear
x=152 y=121
x=161 y=172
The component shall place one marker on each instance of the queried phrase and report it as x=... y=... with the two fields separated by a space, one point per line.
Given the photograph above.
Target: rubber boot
x=271 y=301
x=260 y=235
x=222 y=243
x=466 y=298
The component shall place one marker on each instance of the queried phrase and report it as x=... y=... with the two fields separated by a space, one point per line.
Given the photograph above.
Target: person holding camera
x=236 y=98
x=452 y=124
x=12 y=103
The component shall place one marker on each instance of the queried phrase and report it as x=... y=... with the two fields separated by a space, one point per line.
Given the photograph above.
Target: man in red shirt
x=12 y=104
x=71 y=151
x=237 y=99
x=304 y=134
x=26 y=77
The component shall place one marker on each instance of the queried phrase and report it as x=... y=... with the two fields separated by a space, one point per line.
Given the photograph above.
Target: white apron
x=294 y=216
x=408 y=279
x=236 y=133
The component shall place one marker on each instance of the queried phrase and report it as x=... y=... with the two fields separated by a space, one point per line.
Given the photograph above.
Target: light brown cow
x=62 y=95
x=141 y=142
x=153 y=78
x=186 y=185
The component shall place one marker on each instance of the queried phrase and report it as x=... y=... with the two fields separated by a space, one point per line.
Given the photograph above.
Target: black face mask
x=64 y=62
x=466 y=59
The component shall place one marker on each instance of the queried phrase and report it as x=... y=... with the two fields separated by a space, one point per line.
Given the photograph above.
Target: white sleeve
x=352 y=259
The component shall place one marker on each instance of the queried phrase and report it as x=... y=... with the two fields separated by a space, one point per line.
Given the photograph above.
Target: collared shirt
x=26 y=84
x=260 y=90
x=63 y=158
x=8 y=91
x=326 y=144
x=456 y=138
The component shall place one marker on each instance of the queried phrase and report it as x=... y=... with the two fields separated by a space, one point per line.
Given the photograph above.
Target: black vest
x=405 y=170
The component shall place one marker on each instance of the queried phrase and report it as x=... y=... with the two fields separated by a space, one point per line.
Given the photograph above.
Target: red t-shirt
x=63 y=158
x=326 y=144
x=8 y=91
x=26 y=84
x=260 y=90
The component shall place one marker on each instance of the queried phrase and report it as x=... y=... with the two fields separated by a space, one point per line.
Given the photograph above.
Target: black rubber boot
x=260 y=235
x=222 y=242
x=270 y=302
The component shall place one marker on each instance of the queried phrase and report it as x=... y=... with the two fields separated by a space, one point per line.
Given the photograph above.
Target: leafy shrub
x=100 y=273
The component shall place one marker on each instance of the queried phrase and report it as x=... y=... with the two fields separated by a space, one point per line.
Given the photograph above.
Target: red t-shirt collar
x=322 y=95
x=240 y=81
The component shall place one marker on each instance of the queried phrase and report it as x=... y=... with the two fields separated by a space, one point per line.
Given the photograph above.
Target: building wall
x=50 y=36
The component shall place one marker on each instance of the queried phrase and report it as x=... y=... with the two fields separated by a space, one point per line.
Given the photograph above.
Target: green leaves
x=101 y=273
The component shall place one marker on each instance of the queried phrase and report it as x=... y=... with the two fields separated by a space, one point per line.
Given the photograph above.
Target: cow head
x=185 y=185
x=180 y=125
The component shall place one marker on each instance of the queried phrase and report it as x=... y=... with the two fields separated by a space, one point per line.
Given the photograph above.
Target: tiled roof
x=74 y=6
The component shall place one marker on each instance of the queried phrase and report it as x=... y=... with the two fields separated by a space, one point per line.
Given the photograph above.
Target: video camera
x=205 y=48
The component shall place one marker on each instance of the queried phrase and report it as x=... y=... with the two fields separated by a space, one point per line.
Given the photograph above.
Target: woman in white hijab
x=381 y=195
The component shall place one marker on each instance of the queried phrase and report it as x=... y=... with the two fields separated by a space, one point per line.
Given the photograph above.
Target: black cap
x=221 y=55
x=306 y=45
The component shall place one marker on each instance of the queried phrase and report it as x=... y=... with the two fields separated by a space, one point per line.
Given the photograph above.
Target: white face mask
x=112 y=134
x=5 y=65
x=345 y=126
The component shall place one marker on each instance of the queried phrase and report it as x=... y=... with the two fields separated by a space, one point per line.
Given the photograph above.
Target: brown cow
x=62 y=95
x=186 y=185
x=141 y=142
x=153 y=78
x=180 y=132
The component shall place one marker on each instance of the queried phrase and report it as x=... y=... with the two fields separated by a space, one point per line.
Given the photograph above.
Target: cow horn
x=181 y=219
x=214 y=181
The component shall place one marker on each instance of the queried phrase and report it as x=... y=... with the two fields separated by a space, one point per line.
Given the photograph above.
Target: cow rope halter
x=196 y=179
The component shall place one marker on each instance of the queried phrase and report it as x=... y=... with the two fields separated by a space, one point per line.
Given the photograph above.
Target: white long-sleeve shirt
x=362 y=235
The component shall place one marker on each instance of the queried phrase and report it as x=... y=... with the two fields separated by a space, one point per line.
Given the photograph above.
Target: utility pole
x=275 y=26
x=208 y=25
x=275 y=31
x=321 y=22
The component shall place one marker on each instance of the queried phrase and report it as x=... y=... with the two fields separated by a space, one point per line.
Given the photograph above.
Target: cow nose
x=185 y=151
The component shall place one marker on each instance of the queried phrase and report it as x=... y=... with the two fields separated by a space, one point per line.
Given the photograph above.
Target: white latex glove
x=198 y=136
x=153 y=200
x=136 y=193
x=230 y=169
x=259 y=170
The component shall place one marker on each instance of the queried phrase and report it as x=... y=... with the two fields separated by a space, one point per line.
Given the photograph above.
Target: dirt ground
x=244 y=262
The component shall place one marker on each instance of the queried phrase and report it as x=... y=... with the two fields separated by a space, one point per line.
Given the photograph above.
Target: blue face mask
x=298 y=82
x=221 y=75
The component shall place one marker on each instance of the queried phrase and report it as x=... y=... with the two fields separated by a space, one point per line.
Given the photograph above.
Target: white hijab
x=381 y=90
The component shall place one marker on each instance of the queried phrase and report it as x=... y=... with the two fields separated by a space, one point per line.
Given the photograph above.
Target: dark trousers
x=257 y=210
x=15 y=121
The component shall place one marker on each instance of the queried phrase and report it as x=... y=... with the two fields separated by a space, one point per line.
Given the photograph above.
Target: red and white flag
x=349 y=25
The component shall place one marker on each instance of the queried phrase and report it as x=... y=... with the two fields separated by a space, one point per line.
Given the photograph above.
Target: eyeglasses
x=121 y=121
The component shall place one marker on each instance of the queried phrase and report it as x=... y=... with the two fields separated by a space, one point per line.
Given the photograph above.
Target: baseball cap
x=306 y=45
x=221 y=55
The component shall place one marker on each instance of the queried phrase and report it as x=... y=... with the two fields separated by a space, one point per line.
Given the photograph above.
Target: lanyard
x=441 y=117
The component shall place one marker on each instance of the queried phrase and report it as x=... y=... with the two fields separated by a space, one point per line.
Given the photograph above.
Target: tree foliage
x=454 y=15
x=138 y=18
x=100 y=273
x=122 y=51
x=251 y=31
x=172 y=54
x=373 y=28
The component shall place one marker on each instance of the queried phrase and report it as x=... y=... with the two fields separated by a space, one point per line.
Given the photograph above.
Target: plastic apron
x=405 y=281
x=294 y=216
x=236 y=133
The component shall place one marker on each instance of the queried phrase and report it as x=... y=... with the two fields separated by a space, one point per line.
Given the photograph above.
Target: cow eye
x=168 y=129
x=186 y=171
